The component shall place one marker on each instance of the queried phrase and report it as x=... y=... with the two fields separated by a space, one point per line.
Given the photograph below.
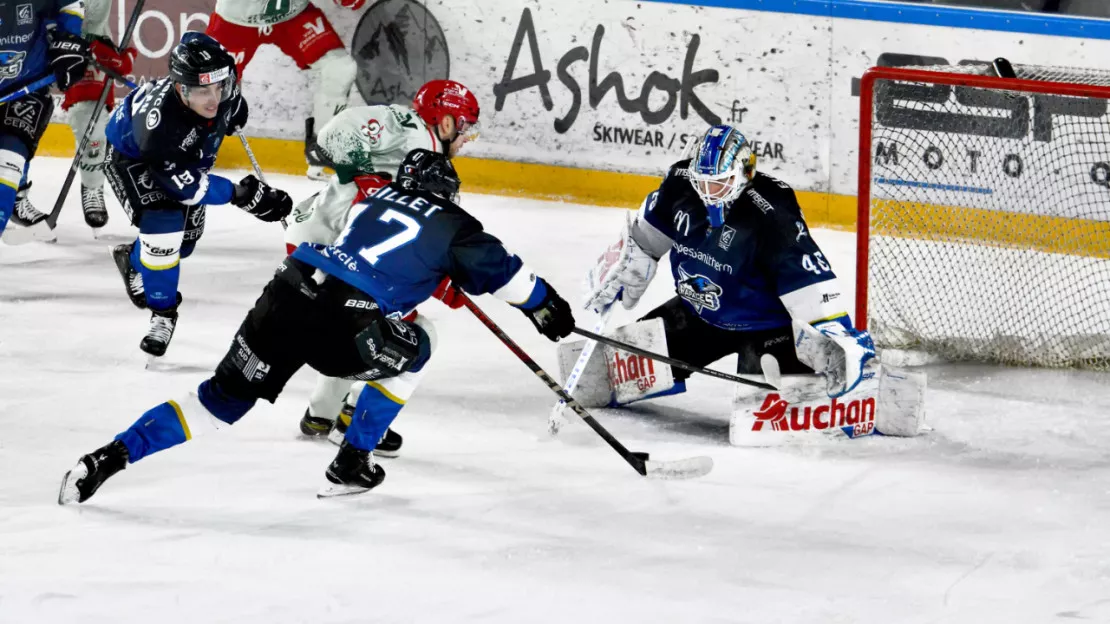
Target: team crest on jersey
x=700 y=291
x=25 y=14
x=372 y=130
x=11 y=63
x=727 y=235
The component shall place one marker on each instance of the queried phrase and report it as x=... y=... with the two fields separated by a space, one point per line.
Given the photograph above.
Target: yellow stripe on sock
x=181 y=417
x=389 y=395
x=160 y=268
x=13 y=185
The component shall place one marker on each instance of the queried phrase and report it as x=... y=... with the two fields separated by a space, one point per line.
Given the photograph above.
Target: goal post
x=983 y=226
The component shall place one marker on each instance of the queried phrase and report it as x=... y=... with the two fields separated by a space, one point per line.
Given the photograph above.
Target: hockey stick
x=114 y=75
x=679 y=469
x=673 y=362
x=555 y=419
x=52 y=218
x=45 y=81
x=254 y=163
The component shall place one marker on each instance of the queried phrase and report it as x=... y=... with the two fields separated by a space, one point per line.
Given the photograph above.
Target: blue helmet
x=722 y=165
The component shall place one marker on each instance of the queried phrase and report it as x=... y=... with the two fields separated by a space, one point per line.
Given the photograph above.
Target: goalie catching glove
x=262 y=200
x=836 y=350
x=622 y=272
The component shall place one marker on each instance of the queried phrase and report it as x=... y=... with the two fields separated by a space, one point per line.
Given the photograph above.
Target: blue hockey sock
x=156 y=430
x=376 y=409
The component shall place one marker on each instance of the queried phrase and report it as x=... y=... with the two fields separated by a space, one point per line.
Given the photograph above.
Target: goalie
x=745 y=267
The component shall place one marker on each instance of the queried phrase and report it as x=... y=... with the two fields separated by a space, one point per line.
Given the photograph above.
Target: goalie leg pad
x=619 y=377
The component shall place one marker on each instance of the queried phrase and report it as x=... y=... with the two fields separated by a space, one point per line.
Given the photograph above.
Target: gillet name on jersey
x=411 y=202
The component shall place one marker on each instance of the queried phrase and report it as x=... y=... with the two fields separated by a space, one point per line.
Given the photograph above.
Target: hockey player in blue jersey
x=162 y=142
x=744 y=265
x=338 y=308
x=39 y=37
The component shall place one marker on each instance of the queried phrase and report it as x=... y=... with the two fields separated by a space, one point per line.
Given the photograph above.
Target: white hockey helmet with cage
x=722 y=164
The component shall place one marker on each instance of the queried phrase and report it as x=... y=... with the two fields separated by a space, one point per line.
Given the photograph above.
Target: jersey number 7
x=374 y=253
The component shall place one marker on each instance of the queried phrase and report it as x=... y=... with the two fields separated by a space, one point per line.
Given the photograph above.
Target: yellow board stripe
x=389 y=395
x=181 y=417
x=160 y=267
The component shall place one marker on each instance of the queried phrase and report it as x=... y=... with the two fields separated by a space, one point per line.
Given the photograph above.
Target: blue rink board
x=930 y=15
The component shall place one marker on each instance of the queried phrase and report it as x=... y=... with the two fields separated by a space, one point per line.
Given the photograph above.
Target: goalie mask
x=722 y=165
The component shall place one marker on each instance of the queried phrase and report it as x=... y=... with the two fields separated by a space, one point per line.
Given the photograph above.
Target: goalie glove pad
x=836 y=350
x=448 y=294
x=552 y=316
x=68 y=55
x=261 y=200
x=623 y=271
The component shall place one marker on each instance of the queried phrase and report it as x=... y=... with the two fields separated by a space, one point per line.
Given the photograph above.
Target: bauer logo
x=398 y=46
x=854 y=418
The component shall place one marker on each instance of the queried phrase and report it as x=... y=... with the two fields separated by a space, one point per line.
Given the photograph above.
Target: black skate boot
x=313 y=155
x=132 y=279
x=92 y=202
x=388 y=446
x=162 y=324
x=31 y=221
x=91 y=471
x=315 y=426
x=353 y=471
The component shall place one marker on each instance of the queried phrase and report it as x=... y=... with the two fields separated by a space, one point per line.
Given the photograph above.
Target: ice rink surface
x=1002 y=514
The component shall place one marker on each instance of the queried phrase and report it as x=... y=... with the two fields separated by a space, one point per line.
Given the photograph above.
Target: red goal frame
x=866 y=119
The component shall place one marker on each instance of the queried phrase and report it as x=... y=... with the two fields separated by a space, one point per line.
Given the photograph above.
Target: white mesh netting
x=990 y=220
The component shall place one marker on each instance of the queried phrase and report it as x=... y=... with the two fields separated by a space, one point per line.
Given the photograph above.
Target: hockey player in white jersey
x=365 y=145
x=304 y=34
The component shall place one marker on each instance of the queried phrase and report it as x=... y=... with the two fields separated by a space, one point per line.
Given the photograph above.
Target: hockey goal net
x=984 y=214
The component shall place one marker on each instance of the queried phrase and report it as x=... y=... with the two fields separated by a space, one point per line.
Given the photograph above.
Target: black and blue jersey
x=398 y=246
x=23 y=43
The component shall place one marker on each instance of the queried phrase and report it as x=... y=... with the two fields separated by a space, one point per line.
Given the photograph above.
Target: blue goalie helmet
x=722 y=165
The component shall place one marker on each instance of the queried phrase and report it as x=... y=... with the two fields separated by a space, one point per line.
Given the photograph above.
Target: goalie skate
x=91 y=471
x=353 y=471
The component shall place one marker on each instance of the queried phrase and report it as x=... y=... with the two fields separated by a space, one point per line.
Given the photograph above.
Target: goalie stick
x=624 y=346
x=678 y=469
x=556 y=420
x=52 y=218
x=254 y=163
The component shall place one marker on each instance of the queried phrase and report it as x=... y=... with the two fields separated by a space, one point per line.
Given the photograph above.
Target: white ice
x=1002 y=514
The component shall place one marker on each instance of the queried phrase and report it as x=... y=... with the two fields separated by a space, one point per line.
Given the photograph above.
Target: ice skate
x=312 y=155
x=91 y=471
x=132 y=279
x=315 y=426
x=388 y=446
x=92 y=203
x=162 y=324
x=32 y=223
x=353 y=471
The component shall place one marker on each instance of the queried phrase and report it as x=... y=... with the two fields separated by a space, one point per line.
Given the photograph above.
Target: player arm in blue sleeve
x=192 y=185
x=479 y=264
x=70 y=14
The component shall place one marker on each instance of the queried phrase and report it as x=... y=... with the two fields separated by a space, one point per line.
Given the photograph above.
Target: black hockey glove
x=69 y=58
x=238 y=119
x=552 y=317
x=261 y=200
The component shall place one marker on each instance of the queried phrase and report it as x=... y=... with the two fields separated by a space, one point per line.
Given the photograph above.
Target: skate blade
x=96 y=232
x=691 y=468
x=39 y=232
x=388 y=454
x=556 y=420
x=68 y=492
x=335 y=490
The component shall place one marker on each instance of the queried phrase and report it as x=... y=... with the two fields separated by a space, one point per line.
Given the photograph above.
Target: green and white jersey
x=259 y=12
x=359 y=140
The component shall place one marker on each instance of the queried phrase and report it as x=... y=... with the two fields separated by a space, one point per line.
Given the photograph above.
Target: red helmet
x=446 y=97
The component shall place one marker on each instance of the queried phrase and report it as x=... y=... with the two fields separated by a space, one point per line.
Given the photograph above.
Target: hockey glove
x=238 y=119
x=448 y=294
x=68 y=56
x=836 y=350
x=623 y=271
x=353 y=5
x=261 y=200
x=552 y=317
x=106 y=55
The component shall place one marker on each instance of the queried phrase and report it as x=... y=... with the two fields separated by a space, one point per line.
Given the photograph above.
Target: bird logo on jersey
x=700 y=291
x=11 y=63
